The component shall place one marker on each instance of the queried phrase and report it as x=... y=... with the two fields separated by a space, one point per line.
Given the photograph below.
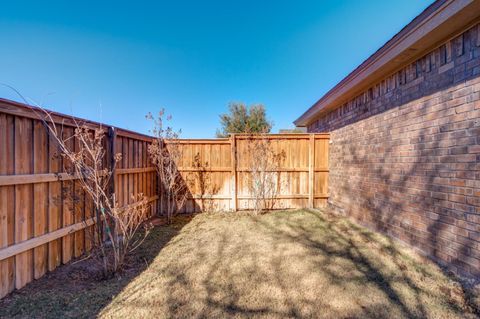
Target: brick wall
x=405 y=154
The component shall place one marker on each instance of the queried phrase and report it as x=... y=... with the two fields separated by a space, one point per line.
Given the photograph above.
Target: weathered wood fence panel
x=40 y=227
x=205 y=166
x=218 y=171
x=134 y=174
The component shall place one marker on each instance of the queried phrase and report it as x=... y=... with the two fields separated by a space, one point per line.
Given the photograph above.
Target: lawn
x=278 y=265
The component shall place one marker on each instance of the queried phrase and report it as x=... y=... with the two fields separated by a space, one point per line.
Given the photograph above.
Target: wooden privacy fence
x=218 y=171
x=40 y=228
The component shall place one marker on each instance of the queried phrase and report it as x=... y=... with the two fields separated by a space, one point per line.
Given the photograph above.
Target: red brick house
x=405 y=136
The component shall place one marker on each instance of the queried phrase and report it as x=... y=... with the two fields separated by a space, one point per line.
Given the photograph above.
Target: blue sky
x=115 y=61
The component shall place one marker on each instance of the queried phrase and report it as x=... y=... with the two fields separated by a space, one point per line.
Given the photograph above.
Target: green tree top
x=243 y=119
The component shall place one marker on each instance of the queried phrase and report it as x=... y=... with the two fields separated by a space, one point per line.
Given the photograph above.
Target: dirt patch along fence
x=41 y=227
x=218 y=173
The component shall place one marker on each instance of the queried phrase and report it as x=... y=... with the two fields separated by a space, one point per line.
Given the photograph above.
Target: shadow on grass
x=339 y=245
x=288 y=265
x=74 y=290
x=349 y=251
x=352 y=244
x=298 y=264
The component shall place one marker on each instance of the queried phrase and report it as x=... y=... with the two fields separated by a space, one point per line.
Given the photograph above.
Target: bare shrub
x=165 y=152
x=115 y=229
x=129 y=220
x=263 y=164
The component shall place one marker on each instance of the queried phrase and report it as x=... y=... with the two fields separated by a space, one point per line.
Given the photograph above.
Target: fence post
x=111 y=137
x=311 y=171
x=112 y=134
x=233 y=181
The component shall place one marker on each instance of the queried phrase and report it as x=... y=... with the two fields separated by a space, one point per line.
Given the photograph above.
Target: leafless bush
x=129 y=220
x=115 y=228
x=165 y=152
x=264 y=163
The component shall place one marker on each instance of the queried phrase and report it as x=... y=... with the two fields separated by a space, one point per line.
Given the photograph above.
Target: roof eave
x=433 y=26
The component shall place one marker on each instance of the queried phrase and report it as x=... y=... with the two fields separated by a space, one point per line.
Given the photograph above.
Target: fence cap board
x=131 y=134
x=37 y=113
x=305 y=136
x=200 y=141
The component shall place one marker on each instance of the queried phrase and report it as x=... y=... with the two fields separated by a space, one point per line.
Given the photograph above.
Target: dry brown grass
x=278 y=265
x=287 y=264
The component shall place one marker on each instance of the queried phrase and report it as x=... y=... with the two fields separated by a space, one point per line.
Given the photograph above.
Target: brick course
x=405 y=154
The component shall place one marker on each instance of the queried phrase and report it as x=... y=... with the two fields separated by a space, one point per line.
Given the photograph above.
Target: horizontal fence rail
x=40 y=229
